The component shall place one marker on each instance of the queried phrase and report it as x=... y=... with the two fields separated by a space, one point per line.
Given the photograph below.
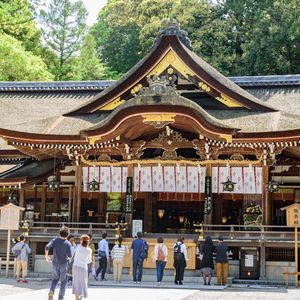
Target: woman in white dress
x=82 y=257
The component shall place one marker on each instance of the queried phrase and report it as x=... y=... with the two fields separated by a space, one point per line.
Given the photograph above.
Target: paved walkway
x=38 y=290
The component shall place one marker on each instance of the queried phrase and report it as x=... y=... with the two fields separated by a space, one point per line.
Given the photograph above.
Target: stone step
x=166 y=278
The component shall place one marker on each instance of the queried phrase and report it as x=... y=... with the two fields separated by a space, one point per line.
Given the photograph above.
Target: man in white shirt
x=103 y=256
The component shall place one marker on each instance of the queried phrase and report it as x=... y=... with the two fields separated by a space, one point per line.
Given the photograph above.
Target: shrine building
x=171 y=148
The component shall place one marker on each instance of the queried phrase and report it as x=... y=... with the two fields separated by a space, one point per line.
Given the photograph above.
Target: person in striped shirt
x=118 y=252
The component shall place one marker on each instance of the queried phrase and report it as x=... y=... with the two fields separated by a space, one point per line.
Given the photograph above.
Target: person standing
x=91 y=266
x=117 y=254
x=180 y=259
x=21 y=250
x=222 y=262
x=160 y=258
x=61 y=254
x=207 y=264
x=139 y=249
x=71 y=239
x=82 y=258
x=103 y=256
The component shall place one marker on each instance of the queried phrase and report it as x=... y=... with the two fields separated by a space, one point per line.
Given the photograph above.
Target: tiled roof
x=99 y=85
x=270 y=80
x=55 y=85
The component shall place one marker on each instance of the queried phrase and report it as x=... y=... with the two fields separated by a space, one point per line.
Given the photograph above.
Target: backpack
x=160 y=254
x=177 y=252
x=144 y=253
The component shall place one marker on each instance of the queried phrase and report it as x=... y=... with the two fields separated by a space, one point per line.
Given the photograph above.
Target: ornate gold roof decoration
x=169 y=136
x=172 y=27
x=158 y=86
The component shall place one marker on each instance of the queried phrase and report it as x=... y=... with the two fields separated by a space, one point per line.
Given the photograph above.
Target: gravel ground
x=38 y=290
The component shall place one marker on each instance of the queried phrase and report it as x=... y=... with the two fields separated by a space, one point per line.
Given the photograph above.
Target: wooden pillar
x=148 y=212
x=102 y=203
x=43 y=203
x=266 y=199
x=77 y=194
x=22 y=197
x=262 y=262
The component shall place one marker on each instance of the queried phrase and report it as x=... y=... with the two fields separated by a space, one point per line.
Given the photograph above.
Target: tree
x=245 y=37
x=117 y=35
x=63 y=28
x=90 y=67
x=17 y=19
x=17 y=64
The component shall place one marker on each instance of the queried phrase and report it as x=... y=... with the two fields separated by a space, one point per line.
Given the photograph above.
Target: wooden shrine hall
x=173 y=143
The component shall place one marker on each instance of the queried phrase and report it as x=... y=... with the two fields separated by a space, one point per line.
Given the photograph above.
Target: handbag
x=18 y=251
x=70 y=265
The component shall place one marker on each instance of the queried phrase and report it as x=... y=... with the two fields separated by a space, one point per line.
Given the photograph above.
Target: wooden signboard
x=9 y=220
x=9 y=217
x=292 y=215
x=293 y=220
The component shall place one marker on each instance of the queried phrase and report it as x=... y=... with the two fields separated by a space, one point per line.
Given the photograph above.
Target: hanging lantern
x=273 y=186
x=13 y=197
x=228 y=185
x=53 y=185
x=161 y=213
x=93 y=186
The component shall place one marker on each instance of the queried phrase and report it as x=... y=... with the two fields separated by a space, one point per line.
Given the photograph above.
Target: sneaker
x=104 y=279
x=158 y=283
x=50 y=295
x=19 y=280
x=180 y=282
x=95 y=277
x=135 y=282
x=25 y=281
x=139 y=282
x=176 y=282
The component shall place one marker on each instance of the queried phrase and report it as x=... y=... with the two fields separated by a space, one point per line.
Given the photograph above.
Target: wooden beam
x=43 y=203
x=266 y=199
x=77 y=193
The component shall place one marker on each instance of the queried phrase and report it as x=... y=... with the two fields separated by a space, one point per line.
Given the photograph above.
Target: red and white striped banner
x=169 y=179
x=248 y=180
x=110 y=179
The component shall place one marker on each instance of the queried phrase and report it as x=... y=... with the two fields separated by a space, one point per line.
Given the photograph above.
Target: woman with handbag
x=160 y=258
x=82 y=257
x=206 y=256
x=180 y=259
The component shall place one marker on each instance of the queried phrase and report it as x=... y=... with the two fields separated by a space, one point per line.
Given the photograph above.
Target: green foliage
x=89 y=64
x=63 y=28
x=238 y=37
x=17 y=64
x=17 y=19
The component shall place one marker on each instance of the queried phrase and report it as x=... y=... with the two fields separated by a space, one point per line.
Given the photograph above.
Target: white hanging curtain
x=248 y=179
x=169 y=179
x=110 y=179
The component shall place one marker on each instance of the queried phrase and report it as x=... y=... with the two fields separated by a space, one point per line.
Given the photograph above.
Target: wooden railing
x=38 y=230
x=261 y=233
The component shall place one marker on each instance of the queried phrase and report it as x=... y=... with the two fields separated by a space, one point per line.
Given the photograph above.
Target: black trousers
x=179 y=268
x=102 y=267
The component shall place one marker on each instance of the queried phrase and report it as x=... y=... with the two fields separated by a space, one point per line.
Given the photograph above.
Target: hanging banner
x=128 y=197
x=110 y=179
x=169 y=179
x=248 y=180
